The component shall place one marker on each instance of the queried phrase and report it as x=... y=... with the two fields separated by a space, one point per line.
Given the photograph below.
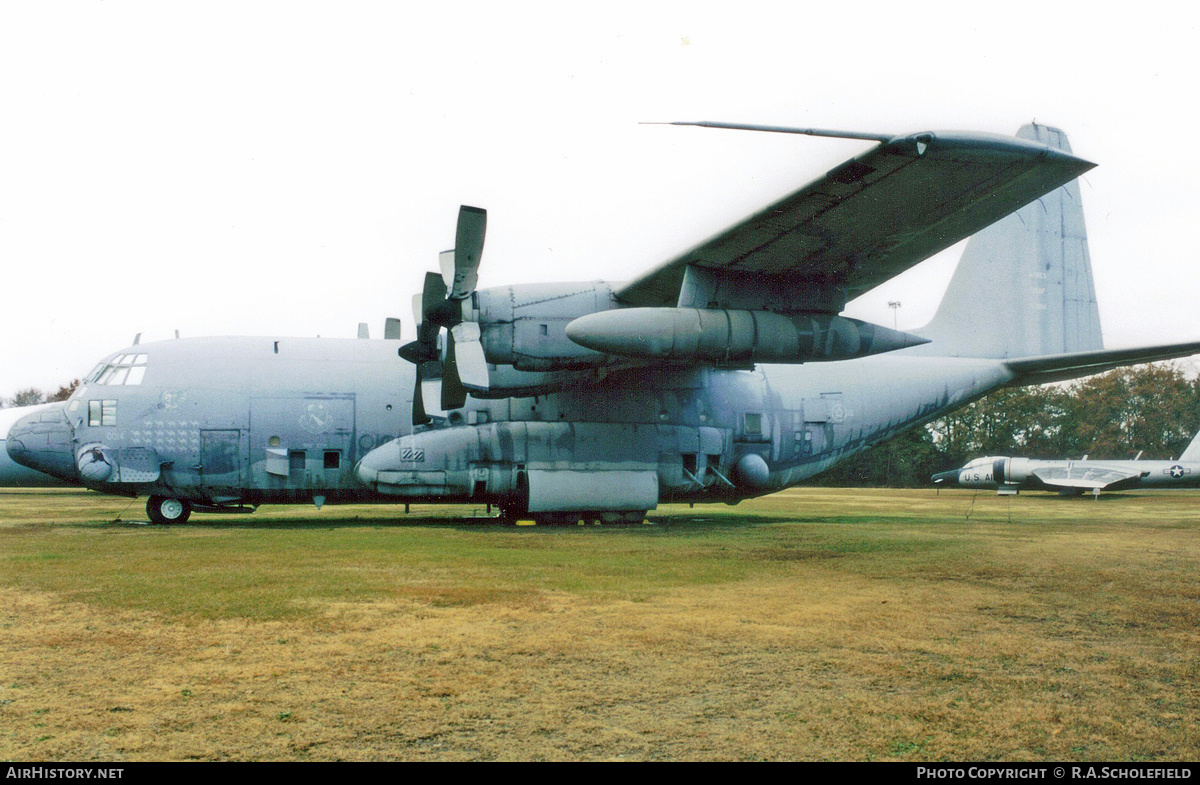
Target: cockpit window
x=123 y=369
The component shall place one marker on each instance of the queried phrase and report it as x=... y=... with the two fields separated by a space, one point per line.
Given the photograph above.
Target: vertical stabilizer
x=1023 y=287
x=1192 y=453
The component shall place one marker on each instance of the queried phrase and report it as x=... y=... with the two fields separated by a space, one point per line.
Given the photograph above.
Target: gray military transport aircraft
x=723 y=374
x=1070 y=477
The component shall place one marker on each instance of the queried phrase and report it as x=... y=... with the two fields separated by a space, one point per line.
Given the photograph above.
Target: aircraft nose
x=42 y=441
x=946 y=478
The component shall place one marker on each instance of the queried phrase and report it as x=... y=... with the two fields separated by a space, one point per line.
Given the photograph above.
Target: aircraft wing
x=1088 y=477
x=1060 y=367
x=866 y=221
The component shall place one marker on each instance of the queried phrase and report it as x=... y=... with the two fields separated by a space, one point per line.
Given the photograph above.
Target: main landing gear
x=164 y=511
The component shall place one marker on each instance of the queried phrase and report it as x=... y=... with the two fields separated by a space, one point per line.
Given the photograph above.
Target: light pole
x=895 y=306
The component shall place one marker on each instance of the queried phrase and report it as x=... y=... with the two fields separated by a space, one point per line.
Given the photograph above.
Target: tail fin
x=1192 y=453
x=1024 y=285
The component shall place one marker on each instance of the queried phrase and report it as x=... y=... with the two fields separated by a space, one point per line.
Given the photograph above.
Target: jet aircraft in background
x=723 y=374
x=1069 y=477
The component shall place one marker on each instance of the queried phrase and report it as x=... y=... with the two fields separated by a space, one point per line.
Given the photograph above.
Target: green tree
x=1150 y=408
x=1025 y=420
x=28 y=397
x=65 y=391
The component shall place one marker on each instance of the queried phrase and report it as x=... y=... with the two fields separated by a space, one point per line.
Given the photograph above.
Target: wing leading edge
x=864 y=222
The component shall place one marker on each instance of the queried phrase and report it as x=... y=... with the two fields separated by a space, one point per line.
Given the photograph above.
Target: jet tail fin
x=1023 y=287
x=1192 y=453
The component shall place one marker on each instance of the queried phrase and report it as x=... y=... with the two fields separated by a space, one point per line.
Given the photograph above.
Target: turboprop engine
x=734 y=336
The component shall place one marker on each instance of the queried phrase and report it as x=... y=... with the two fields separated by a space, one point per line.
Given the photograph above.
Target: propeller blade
x=416 y=352
x=418 y=301
x=468 y=356
x=433 y=300
x=468 y=249
x=419 y=417
x=391 y=329
x=454 y=395
x=446 y=265
x=441 y=304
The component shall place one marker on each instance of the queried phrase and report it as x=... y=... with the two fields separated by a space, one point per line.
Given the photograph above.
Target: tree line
x=31 y=396
x=1153 y=409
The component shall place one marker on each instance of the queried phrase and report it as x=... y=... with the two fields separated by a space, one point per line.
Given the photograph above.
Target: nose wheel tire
x=165 y=511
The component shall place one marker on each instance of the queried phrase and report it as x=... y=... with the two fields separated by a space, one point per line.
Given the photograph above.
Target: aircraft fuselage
x=248 y=421
x=1003 y=473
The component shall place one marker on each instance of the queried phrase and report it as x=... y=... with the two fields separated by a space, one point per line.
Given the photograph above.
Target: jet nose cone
x=42 y=441
x=946 y=478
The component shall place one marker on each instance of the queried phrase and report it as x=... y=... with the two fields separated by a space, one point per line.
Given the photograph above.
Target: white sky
x=293 y=168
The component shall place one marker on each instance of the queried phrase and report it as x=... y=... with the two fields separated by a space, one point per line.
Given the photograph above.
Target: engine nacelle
x=1012 y=470
x=525 y=326
x=995 y=472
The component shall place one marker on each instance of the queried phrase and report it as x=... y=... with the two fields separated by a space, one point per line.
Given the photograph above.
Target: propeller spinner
x=440 y=305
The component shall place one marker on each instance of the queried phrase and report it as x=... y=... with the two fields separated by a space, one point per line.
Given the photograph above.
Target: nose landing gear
x=165 y=511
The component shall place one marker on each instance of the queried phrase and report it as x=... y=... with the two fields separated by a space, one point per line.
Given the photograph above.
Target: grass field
x=812 y=624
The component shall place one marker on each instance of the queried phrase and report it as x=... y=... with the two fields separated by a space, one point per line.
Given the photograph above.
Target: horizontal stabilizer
x=1061 y=367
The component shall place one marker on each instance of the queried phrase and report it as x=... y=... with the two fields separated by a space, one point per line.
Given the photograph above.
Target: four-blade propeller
x=441 y=304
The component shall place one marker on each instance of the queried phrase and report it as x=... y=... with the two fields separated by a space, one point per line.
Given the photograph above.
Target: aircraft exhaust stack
x=734 y=336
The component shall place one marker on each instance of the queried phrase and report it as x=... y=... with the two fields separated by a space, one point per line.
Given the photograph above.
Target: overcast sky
x=292 y=168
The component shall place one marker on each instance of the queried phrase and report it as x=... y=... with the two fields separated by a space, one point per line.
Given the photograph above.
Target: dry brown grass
x=814 y=624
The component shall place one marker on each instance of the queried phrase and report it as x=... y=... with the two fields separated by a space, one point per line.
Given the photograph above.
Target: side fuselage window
x=102 y=413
